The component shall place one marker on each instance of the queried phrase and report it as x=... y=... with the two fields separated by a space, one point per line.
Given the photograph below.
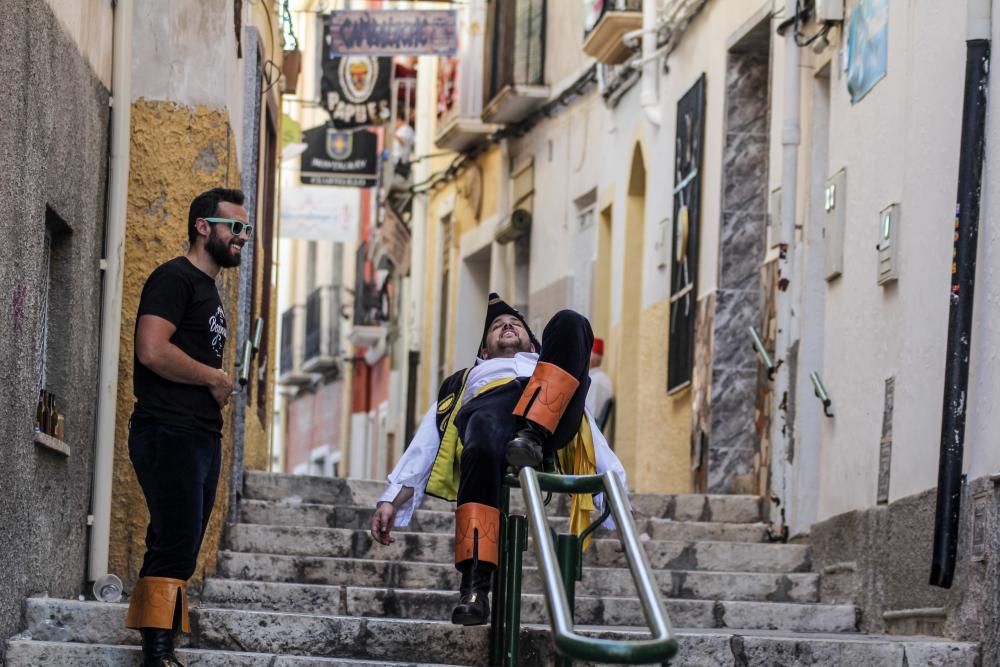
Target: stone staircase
x=301 y=584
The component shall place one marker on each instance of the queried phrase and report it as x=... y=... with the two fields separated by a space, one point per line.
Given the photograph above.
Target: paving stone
x=25 y=653
x=282 y=634
x=435 y=547
x=437 y=605
x=614 y=582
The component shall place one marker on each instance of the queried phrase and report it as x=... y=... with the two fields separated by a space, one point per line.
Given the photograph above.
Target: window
x=515 y=50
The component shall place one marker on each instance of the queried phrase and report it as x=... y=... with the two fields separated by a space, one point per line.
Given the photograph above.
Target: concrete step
x=278 y=634
x=337 y=491
x=365 y=493
x=436 y=605
x=29 y=653
x=318 y=515
x=598 y=582
x=438 y=547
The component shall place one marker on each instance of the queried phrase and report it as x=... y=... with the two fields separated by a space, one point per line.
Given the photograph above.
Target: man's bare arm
x=155 y=351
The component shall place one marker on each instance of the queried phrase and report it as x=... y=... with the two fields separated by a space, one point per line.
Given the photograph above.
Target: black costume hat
x=497 y=307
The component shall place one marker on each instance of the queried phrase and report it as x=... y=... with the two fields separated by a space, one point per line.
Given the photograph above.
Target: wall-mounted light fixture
x=765 y=357
x=821 y=394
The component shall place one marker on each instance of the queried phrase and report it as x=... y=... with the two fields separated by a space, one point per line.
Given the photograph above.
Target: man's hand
x=382 y=521
x=221 y=387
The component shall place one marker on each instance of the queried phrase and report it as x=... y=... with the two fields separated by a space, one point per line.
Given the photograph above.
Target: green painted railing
x=560 y=563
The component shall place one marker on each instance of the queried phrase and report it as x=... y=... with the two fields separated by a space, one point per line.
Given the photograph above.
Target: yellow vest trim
x=446 y=470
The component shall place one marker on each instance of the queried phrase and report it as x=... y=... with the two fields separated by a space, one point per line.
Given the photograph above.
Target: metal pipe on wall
x=963 y=277
x=782 y=426
x=111 y=297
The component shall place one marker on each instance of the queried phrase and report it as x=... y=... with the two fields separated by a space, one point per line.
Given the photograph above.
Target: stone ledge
x=47 y=441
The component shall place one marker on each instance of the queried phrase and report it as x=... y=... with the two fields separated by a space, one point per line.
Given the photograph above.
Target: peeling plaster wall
x=54 y=141
x=176 y=153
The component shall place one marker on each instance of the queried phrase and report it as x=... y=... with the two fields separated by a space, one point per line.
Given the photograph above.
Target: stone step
x=280 y=634
x=598 y=582
x=364 y=493
x=29 y=653
x=337 y=491
x=438 y=547
x=436 y=605
x=281 y=513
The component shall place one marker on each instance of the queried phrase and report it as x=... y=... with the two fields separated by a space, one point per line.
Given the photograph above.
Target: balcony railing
x=515 y=61
x=322 y=329
x=606 y=26
x=292 y=344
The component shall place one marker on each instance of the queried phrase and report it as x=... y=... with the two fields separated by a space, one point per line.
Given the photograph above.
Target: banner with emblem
x=340 y=157
x=393 y=32
x=356 y=89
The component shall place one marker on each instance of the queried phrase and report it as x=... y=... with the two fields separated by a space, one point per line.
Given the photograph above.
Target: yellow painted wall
x=463 y=220
x=176 y=153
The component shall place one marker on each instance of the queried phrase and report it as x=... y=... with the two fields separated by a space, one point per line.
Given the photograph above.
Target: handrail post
x=568 y=553
x=499 y=608
x=517 y=532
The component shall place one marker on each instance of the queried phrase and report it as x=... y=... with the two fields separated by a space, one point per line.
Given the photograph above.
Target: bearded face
x=506 y=337
x=225 y=251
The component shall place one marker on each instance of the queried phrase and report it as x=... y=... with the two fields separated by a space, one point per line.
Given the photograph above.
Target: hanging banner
x=338 y=157
x=394 y=239
x=423 y=32
x=318 y=213
x=356 y=90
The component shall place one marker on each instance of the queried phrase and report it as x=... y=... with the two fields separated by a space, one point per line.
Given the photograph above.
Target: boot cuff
x=546 y=396
x=154 y=603
x=477 y=529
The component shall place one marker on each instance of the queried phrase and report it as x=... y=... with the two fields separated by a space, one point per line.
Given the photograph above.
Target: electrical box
x=888 y=243
x=829 y=10
x=834 y=206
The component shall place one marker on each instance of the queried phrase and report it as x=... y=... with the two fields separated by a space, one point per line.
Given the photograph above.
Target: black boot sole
x=523 y=457
x=468 y=617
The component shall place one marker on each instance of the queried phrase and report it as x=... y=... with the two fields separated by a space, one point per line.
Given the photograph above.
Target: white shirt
x=414 y=467
x=600 y=391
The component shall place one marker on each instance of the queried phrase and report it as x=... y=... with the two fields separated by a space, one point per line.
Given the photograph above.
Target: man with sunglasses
x=175 y=434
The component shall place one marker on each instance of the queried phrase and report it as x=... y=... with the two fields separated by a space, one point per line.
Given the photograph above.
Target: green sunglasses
x=237 y=226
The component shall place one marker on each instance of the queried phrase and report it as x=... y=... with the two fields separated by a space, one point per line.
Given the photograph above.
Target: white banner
x=319 y=212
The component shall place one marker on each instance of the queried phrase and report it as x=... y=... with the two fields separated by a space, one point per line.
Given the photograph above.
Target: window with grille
x=515 y=49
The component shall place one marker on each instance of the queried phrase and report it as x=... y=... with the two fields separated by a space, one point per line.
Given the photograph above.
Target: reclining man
x=520 y=402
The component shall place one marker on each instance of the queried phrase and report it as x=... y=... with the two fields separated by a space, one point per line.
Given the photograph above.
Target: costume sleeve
x=414 y=467
x=606 y=460
x=166 y=294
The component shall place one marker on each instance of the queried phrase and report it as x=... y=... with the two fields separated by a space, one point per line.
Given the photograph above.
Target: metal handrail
x=663 y=645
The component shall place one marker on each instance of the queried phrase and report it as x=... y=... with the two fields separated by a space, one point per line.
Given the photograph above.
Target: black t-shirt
x=186 y=296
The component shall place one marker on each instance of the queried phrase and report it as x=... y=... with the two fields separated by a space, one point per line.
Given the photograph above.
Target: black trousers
x=486 y=423
x=178 y=470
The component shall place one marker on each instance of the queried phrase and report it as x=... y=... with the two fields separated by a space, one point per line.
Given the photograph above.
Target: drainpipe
x=963 y=277
x=649 y=97
x=782 y=426
x=111 y=297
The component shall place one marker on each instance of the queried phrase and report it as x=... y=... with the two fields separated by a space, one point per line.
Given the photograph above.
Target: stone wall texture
x=177 y=152
x=54 y=140
x=880 y=560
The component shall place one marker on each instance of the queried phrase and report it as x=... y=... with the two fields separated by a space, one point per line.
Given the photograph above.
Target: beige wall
x=91 y=25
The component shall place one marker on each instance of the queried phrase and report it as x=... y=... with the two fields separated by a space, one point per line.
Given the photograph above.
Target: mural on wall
x=867 y=47
x=687 y=219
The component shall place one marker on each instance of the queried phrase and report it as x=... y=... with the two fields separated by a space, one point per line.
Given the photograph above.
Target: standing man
x=175 y=434
x=521 y=402
x=600 y=394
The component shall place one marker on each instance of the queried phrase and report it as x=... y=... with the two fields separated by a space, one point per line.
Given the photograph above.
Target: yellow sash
x=578 y=458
